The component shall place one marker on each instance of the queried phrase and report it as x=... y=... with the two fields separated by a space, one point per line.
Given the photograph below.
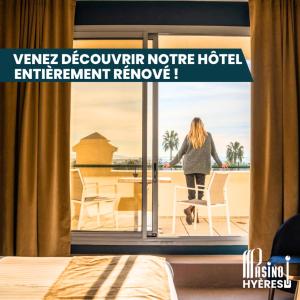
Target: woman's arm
x=214 y=153
x=180 y=153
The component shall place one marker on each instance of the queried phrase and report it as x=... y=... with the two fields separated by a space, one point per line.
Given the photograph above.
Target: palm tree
x=235 y=152
x=170 y=141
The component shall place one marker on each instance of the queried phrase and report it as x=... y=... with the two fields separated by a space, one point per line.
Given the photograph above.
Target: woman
x=197 y=148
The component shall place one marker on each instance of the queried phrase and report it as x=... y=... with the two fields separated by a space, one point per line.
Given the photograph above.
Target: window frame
x=150 y=32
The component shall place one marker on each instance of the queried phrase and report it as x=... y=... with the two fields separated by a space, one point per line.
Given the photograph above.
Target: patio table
x=137 y=190
x=139 y=179
x=137 y=183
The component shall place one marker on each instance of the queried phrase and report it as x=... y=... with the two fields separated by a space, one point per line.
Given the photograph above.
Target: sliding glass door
x=107 y=150
x=225 y=111
x=124 y=133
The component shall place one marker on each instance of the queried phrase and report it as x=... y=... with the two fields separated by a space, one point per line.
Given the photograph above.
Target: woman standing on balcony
x=197 y=148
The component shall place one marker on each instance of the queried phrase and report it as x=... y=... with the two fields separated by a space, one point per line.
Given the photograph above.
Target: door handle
x=155 y=172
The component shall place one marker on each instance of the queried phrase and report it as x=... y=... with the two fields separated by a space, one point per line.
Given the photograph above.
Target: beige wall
x=238 y=191
x=94 y=151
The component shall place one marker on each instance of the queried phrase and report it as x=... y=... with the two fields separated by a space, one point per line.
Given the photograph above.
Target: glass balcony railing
x=149 y=166
x=119 y=179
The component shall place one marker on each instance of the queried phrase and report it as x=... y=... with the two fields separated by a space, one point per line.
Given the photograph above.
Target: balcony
x=129 y=212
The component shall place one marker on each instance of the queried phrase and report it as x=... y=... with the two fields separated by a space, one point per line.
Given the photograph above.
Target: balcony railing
x=117 y=174
x=136 y=167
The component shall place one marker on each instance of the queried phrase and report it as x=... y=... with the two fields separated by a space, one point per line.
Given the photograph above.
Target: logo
x=264 y=275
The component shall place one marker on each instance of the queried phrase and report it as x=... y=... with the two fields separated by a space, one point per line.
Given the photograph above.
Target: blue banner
x=126 y=65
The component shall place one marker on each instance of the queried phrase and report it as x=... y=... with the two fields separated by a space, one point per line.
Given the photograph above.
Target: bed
x=86 y=277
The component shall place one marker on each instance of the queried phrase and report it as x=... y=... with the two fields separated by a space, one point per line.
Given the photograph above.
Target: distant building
x=94 y=149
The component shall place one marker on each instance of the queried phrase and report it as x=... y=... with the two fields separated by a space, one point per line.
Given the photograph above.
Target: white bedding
x=32 y=277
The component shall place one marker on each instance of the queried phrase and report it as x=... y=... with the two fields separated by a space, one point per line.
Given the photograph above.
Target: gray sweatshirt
x=197 y=160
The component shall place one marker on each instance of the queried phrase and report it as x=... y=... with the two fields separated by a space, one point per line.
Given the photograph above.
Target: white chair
x=215 y=195
x=89 y=193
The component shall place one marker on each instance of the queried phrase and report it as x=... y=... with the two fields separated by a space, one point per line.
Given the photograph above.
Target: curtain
x=34 y=136
x=275 y=63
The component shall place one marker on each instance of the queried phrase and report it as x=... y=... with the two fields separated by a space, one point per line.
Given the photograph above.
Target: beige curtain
x=275 y=60
x=34 y=136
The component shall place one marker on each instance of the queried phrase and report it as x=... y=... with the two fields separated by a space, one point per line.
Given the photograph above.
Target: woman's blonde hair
x=197 y=134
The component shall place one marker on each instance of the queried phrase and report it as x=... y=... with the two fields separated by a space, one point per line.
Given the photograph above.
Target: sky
x=223 y=107
x=115 y=109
